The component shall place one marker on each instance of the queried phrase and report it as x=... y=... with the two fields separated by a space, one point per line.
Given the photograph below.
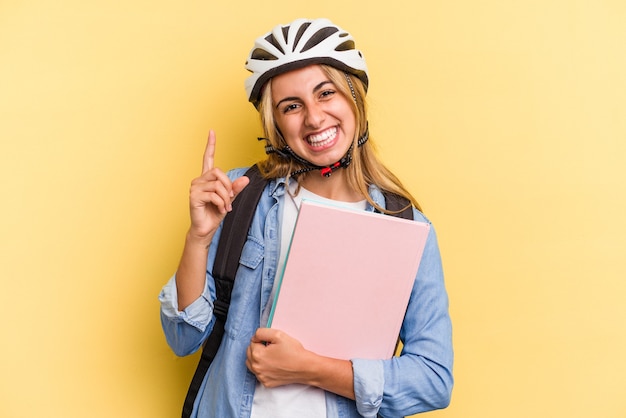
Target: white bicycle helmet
x=298 y=44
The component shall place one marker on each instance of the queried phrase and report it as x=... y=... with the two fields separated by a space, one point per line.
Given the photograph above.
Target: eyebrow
x=294 y=98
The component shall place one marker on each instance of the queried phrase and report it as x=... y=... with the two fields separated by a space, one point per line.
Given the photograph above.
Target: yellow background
x=507 y=119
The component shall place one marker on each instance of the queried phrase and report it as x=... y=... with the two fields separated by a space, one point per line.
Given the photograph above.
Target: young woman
x=309 y=84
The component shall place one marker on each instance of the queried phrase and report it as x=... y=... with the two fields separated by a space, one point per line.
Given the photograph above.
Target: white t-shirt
x=293 y=400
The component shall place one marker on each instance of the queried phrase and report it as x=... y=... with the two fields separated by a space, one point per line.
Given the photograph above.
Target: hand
x=277 y=359
x=211 y=196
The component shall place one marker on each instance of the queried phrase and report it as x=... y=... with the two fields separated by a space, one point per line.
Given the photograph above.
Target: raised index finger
x=209 y=153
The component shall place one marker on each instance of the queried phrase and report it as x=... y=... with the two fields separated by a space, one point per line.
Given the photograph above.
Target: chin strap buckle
x=327 y=171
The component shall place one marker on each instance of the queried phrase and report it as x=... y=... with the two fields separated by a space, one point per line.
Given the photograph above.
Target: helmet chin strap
x=326 y=171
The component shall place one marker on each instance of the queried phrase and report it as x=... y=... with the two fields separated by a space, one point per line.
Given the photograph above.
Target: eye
x=325 y=94
x=290 y=107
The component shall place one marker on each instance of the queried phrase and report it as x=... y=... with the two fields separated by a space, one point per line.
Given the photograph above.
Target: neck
x=335 y=187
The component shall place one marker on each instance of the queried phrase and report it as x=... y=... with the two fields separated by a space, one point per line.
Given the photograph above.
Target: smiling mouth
x=323 y=138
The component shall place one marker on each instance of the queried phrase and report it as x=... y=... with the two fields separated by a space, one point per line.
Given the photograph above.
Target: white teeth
x=323 y=138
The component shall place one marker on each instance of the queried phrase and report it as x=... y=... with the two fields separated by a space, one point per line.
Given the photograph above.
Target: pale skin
x=307 y=104
x=210 y=198
x=314 y=108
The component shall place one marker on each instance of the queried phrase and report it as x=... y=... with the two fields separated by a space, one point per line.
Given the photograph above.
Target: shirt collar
x=278 y=186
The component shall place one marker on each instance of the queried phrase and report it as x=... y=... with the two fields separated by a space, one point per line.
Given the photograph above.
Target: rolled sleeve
x=369 y=383
x=198 y=314
x=185 y=330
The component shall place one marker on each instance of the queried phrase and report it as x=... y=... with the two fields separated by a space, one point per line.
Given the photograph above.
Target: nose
x=315 y=115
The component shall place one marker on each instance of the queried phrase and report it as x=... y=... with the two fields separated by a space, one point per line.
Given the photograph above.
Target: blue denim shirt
x=419 y=380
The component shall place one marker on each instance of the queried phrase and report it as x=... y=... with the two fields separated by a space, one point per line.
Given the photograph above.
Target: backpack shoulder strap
x=236 y=225
x=399 y=204
x=230 y=245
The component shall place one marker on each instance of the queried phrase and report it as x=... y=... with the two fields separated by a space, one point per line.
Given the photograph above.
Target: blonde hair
x=366 y=168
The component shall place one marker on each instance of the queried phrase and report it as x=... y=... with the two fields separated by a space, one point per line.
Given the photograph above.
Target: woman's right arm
x=210 y=198
x=185 y=298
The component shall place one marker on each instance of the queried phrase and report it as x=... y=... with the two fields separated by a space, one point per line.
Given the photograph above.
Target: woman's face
x=316 y=120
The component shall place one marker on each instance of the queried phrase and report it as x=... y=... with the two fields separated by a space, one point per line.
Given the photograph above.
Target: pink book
x=347 y=280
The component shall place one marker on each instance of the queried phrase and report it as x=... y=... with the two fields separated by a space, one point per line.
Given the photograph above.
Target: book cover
x=347 y=280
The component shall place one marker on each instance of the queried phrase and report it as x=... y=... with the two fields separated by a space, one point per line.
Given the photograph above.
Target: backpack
x=230 y=245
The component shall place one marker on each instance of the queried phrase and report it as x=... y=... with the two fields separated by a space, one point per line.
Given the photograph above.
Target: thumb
x=263 y=335
x=239 y=185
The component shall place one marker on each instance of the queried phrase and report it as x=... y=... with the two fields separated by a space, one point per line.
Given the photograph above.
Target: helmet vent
x=346 y=46
x=275 y=43
x=285 y=30
x=318 y=37
x=301 y=31
x=262 y=54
